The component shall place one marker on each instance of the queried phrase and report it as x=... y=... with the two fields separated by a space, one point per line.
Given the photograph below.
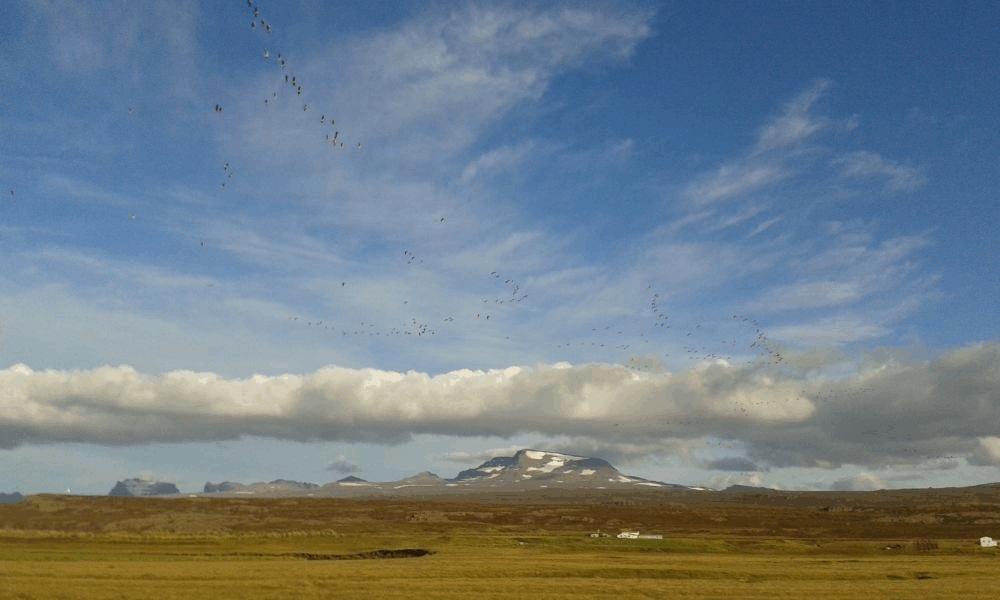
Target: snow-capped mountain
x=542 y=469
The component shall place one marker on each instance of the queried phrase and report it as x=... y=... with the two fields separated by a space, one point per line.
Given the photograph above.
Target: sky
x=713 y=243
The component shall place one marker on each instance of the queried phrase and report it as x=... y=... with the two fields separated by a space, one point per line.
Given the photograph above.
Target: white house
x=987 y=542
x=628 y=535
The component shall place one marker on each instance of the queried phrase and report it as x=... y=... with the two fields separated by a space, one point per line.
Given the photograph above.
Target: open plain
x=748 y=544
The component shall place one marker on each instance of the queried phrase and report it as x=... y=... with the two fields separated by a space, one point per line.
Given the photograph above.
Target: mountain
x=538 y=469
x=526 y=470
x=12 y=498
x=423 y=478
x=278 y=487
x=143 y=487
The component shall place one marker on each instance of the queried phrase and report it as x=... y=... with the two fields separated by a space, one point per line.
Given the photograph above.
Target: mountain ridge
x=528 y=469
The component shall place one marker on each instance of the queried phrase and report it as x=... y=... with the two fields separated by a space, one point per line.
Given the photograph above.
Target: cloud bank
x=888 y=411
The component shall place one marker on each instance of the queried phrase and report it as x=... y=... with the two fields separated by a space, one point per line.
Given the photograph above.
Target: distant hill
x=143 y=487
x=11 y=498
x=351 y=479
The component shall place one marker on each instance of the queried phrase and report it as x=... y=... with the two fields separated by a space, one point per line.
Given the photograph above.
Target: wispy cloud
x=735 y=180
x=497 y=159
x=796 y=123
x=862 y=164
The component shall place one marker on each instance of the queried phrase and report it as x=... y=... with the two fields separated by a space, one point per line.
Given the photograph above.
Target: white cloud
x=889 y=412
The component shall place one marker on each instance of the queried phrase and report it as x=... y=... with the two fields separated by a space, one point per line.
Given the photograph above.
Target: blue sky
x=826 y=172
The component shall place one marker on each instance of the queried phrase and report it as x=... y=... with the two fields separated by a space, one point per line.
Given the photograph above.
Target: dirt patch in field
x=371 y=554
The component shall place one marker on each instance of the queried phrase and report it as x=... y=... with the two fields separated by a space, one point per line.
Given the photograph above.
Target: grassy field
x=90 y=548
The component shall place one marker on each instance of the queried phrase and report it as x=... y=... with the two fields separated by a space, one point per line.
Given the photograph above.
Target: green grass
x=98 y=566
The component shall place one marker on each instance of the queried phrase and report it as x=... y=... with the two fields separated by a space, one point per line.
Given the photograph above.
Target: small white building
x=987 y=542
x=628 y=535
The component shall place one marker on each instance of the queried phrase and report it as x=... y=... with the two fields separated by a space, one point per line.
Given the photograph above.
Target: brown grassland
x=907 y=544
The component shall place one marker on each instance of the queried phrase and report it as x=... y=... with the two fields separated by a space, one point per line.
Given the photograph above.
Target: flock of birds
x=639 y=342
x=331 y=134
x=610 y=337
